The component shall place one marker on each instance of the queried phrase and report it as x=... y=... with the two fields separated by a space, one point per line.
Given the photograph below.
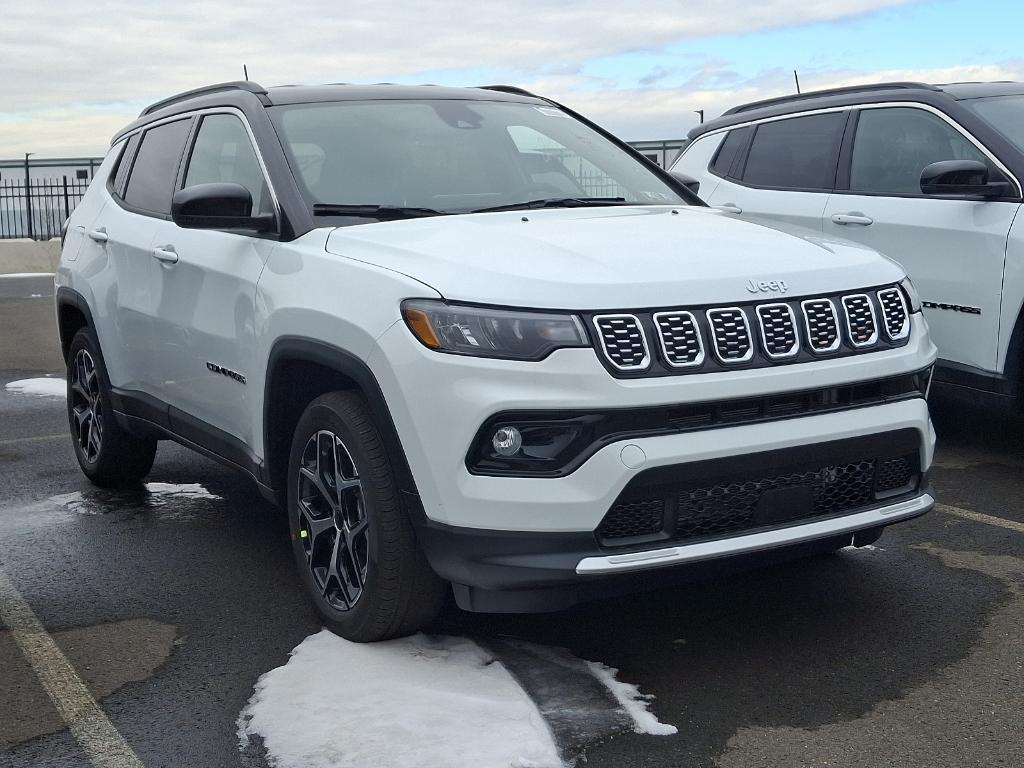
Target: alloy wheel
x=86 y=406
x=333 y=526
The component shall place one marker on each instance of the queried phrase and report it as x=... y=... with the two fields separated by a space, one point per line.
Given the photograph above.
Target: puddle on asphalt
x=172 y=501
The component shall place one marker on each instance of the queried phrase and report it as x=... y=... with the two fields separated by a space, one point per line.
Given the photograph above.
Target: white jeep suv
x=465 y=337
x=927 y=175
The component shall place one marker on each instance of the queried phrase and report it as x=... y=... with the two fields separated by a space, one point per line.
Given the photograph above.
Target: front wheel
x=354 y=545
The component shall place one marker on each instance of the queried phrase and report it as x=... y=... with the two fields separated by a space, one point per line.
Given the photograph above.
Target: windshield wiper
x=374 y=211
x=555 y=202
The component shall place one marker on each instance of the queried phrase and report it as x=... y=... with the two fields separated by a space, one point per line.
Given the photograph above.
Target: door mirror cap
x=961 y=178
x=687 y=181
x=221 y=205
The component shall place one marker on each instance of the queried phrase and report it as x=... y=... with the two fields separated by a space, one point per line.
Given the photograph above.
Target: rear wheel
x=354 y=545
x=108 y=454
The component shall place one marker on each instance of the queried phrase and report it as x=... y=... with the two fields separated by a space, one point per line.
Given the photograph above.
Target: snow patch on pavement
x=634 y=702
x=43 y=387
x=409 y=703
x=174 y=491
x=27 y=274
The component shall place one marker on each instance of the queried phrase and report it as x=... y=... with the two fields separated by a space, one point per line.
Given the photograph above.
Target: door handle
x=166 y=254
x=729 y=208
x=99 y=235
x=852 y=218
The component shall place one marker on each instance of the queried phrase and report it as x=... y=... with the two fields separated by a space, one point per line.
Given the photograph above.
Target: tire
x=109 y=455
x=354 y=545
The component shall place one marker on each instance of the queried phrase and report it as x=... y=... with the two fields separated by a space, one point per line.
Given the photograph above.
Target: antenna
x=797 y=78
x=245 y=71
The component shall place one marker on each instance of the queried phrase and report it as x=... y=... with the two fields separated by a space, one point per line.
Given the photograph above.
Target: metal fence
x=39 y=210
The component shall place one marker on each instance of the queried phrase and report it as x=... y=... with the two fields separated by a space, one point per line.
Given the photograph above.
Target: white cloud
x=73 y=72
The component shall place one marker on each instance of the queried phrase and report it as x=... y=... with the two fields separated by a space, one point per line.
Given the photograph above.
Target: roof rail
x=828 y=92
x=237 y=85
x=513 y=89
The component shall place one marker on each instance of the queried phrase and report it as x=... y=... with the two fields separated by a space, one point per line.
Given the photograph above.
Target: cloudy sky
x=72 y=72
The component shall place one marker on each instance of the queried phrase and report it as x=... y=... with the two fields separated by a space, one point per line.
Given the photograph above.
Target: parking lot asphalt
x=170 y=601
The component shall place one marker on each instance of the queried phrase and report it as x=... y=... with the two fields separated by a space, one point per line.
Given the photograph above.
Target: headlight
x=486 y=332
x=913 y=300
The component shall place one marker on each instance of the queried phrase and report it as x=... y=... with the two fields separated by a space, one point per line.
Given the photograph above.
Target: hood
x=610 y=258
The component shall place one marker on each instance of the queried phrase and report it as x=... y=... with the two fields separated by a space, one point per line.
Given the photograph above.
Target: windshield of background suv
x=1004 y=113
x=454 y=156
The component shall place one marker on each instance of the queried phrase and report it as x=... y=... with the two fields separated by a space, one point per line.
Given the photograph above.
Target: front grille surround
x=778 y=327
x=821 y=322
x=678 y=331
x=623 y=340
x=861 y=320
x=895 y=317
x=730 y=334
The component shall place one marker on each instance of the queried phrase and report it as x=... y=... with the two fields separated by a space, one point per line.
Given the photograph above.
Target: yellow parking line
x=85 y=718
x=980 y=518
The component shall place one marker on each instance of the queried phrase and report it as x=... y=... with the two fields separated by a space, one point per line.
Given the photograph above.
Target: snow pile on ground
x=631 y=700
x=45 y=387
x=28 y=274
x=418 y=702
x=176 y=491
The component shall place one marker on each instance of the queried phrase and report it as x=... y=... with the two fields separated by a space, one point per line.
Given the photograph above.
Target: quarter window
x=223 y=153
x=124 y=164
x=733 y=143
x=151 y=184
x=798 y=153
x=894 y=144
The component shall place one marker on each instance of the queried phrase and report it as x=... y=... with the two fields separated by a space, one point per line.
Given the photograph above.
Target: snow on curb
x=409 y=703
x=45 y=387
x=631 y=700
x=27 y=274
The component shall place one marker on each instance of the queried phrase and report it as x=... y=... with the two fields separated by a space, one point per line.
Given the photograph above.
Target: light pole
x=28 y=197
x=701 y=113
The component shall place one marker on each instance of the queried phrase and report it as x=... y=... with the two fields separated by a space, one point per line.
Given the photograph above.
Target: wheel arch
x=300 y=369
x=73 y=314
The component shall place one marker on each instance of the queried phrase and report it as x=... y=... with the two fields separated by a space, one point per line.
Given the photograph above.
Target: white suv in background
x=465 y=337
x=927 y=175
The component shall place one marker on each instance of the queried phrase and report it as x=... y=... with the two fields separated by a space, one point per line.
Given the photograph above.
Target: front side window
x=223 y=152
x=797 y=153
x=455 y=156
x=894 y=144
x=151 y=184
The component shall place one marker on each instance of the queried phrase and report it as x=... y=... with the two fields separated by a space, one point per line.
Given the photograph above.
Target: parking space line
x=34 y=439
x=85 y=718
x=978 y=517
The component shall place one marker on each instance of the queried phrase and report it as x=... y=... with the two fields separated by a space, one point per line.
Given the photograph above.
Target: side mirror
x=223 y=205
x=961 y=178
x=687 y=181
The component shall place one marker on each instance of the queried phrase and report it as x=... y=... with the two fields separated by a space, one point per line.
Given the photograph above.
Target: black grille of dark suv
x=688 y=340
x=727 y=501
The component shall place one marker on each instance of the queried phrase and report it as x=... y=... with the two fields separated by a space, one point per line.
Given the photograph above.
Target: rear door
x=953 y=249
x=785 y=172
x=204 y=294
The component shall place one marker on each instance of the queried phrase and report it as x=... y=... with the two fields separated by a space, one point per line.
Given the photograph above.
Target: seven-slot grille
x=731 y=334
x=778 y=330
x=822 y=325
x=680 y=338
x=752 y=335
x=623 y=341
x=860 y=320
x=895 y=318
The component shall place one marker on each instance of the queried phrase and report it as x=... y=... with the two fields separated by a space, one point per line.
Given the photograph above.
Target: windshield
x=1004 y=113
x=448 y=156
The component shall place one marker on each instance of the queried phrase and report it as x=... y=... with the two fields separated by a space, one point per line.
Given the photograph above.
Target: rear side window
x=734 y=142
x=151 y=184
x=223 y=152
x=798 y=153
x=893 y=145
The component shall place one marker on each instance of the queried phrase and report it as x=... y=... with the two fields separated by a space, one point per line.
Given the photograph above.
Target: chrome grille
x=731 y=334
x=821 y=324
x=861 y=325
x=622 y=339
x=778 y=330
x=680 y=339
x=895 y=318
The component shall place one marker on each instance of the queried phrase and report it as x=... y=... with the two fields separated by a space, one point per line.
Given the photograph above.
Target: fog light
x=507 y=441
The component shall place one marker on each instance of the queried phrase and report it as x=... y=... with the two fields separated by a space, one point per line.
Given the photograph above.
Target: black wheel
x=108 y=455
x=354 y=545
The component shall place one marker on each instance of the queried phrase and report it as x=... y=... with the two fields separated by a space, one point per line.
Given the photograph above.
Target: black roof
x=857 y=94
